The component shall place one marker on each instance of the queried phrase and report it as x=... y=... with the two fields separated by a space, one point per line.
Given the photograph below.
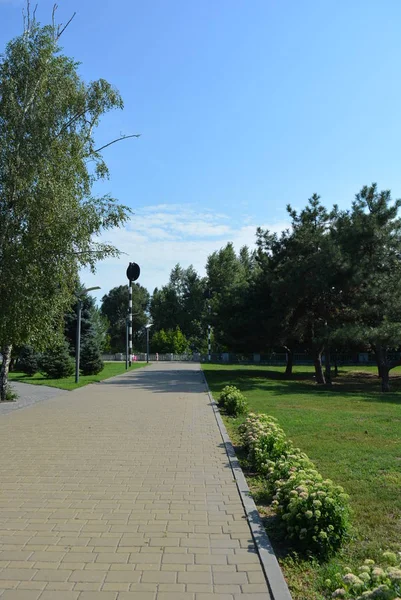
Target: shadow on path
x=162 y=380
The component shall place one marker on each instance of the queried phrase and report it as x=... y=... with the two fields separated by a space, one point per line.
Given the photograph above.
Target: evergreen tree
x=369 y=235
x=56 y=362
x=90 y=358
x=180 y=303
x=28 y=360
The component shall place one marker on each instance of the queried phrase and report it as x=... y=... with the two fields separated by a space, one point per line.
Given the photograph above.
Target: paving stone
x=125 y=494
x=21 y=595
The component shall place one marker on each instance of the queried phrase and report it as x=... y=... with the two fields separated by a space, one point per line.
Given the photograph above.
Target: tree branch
x=71 y=121
x=124 y=137
x=60 y=29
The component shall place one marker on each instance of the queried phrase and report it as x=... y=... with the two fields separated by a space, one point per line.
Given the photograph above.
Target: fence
x=268 y=359
x=141 y=357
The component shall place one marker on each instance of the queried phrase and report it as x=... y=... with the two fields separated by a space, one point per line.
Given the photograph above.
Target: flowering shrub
x=265 y=441
x=372 y=581
x=233 y=402
x=314 y=512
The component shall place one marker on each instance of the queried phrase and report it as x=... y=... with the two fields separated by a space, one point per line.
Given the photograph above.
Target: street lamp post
x=126 y=340
x=79 y=296
x=133 y=272
x=208 y=296
x=147 y=327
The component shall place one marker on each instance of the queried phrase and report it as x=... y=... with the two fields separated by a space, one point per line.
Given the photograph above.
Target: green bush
x=56 y=362
x=265 y=441
x=371 y=581
x=314 y=512
x=28 y=361
x=90 y=360
x=233 y=402
x=11 y=396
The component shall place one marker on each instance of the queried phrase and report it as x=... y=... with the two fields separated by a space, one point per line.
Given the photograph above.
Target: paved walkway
x=122 y=491
x=29 y=394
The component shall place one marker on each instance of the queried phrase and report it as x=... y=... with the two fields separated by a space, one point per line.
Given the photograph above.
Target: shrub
x=371 y=581
x=265 y=441
x=56 y=362
x=314 y=512
x=11 y=396
x=90 y=360
x=28 y=360
x=233 y=402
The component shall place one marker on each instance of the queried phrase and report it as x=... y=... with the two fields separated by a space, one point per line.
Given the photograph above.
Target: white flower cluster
x=313 y=510
x=373 y=582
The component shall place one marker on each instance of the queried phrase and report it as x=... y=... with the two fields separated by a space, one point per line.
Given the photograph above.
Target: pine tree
x=28 y=360
x=91 y=360
x=56 y=362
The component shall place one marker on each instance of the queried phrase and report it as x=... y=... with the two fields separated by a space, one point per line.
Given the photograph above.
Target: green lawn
x=110 y=370
x=353 y=434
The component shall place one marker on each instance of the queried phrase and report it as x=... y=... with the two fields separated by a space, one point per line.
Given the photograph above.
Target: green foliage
x=304 y=277
x=160 y=342
x=371 y=581
x=234 y=309
x=352 y=433
x=171 y=341
x=115 y=309
x=233 y=402
x=92 y=321
x=50 y=222
x=111 y=369
x=28 y=360
x=314 y=512
x=56 y=362
x=369 y=235
x=180 y=303
x=90 y=357
x=11 y=396
x=265 y=441
x=178 y=341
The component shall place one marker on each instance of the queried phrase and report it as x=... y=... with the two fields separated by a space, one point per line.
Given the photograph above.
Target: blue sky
x=243 y=106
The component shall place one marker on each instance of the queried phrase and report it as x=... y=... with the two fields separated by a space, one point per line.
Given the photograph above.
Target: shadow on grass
x=366 y=386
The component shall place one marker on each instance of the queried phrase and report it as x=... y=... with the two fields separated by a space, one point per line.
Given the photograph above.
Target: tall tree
x=307 y=278
x=93 y=323
x=48 y=163
x=180 y=303
x=233 y=311
x=115 y=308
x=370 y=239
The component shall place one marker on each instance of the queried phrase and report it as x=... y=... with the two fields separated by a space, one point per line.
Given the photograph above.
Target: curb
x=274 y=576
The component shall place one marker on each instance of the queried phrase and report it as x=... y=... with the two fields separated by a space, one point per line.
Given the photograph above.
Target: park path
x=123 y=491
x=29 y=394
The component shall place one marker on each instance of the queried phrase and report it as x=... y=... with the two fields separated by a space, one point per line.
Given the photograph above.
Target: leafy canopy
x=48 y=163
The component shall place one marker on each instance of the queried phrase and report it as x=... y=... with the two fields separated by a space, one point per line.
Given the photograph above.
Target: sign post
x=133 y=273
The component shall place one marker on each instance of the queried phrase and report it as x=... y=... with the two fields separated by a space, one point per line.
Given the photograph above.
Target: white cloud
x=158 y=237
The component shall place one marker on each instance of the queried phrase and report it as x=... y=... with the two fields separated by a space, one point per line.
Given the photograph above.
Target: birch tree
x=49 y=161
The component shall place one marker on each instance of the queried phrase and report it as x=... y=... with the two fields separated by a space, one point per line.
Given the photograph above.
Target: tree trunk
x=327 y=364
x=290 y=362
x=379 y=367
x=385 y=378
x=383 y=367
x=335 y=365
x=6 y=352
x=317 y=361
